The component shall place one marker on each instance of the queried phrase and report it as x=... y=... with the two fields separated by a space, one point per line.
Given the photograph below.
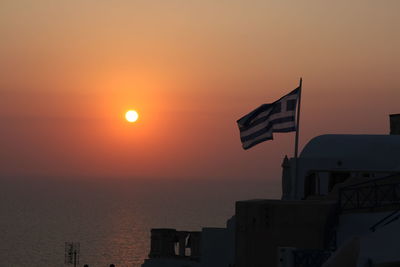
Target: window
x=337 y=178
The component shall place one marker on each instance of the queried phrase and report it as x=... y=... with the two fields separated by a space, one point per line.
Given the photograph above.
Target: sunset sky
x=71 y=69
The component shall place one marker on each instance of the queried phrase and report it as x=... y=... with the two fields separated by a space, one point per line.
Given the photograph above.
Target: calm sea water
x=110 y=218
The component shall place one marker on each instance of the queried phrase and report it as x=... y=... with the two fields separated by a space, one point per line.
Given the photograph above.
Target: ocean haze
x=111 y=218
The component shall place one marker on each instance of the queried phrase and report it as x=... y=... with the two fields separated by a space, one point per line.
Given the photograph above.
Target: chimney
x=394 y=123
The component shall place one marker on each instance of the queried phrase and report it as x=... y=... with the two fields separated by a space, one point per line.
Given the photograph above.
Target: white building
x=339 y=207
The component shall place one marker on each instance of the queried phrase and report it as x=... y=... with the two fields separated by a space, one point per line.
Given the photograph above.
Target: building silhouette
x=340 y=207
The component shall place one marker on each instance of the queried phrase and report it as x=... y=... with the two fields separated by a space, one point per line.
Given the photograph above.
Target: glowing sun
x=131 y=115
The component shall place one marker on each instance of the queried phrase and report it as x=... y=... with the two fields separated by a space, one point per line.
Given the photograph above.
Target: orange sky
x=70 y=69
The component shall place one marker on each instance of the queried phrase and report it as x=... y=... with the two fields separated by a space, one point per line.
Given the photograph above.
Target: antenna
x=72 y=250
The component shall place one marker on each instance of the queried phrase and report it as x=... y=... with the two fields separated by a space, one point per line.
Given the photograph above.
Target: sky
x=71 y=69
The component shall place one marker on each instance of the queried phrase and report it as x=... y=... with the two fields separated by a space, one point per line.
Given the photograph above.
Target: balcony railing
x=370 y=194
x=310 y=257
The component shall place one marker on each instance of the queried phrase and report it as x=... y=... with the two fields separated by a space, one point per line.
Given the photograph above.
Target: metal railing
x=310 y=257
x=369 y=195
x=388 y=219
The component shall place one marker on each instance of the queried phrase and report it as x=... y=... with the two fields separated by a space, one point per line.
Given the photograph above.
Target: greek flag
x=280 y=116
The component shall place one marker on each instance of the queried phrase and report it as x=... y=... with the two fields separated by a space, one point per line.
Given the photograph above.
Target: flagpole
x=296 y=142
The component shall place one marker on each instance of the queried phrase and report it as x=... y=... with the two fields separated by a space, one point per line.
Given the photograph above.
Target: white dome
x=344 y=146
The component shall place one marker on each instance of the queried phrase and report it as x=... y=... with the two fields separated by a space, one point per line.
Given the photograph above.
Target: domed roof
x=344 y=146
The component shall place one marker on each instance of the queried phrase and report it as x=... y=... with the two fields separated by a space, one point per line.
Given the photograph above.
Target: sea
x=110 y=218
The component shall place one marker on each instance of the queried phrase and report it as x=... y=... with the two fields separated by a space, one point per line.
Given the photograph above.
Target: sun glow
x=131 y=115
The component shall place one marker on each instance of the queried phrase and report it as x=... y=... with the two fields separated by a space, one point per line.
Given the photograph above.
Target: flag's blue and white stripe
x=280 y=116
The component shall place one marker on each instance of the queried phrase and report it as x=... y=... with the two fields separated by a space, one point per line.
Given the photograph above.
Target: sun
x=131 y=115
